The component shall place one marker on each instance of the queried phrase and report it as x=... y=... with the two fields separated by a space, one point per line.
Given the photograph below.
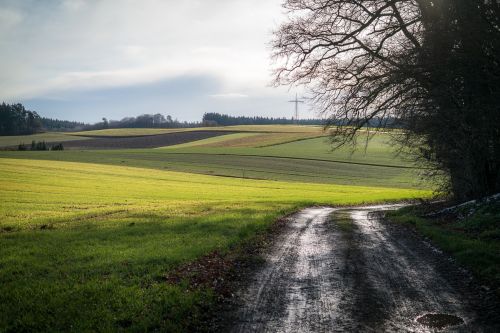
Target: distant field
x=239 y=128
x=251 y=136
x=124 y=138
x=147 y=141
x=379 y=151
x=217 y=141
x=87 y=246
x=122 y=132
x=305 y=160
x=270 y=168
x=247 y=139
x=15 y=140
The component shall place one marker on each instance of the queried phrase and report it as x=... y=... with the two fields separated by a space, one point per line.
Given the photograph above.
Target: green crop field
x=257 y=167
x=304 y=160
x=248 y=139
x=379 y=151
x=87 y=246
x=88 y=237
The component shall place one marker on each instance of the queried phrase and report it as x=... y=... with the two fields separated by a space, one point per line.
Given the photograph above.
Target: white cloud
x=80 y=43
x=9 y=18
x=229 y=96
x=73 y=5
x=66 y=46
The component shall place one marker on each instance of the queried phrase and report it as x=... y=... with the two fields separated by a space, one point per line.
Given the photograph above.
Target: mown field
x=88 y=237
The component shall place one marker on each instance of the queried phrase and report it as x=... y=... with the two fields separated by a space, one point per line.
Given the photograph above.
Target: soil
x=148 y=141
x=350 y=270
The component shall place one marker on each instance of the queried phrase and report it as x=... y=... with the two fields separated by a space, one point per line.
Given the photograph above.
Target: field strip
x=244 y=170
x=212 y=140
x=234 y=129
x=294 y=140
x=305 y=159
x=131 y=136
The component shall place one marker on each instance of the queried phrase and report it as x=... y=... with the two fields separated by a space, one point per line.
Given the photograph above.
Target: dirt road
x=338 y=270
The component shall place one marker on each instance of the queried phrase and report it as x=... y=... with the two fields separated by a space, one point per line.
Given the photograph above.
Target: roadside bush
x=57 y=147
x=41 y=145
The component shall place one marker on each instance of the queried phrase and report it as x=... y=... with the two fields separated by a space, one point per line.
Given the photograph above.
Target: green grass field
x=86 y=246
x=378 y=152
x=256 y=167
x=247 y=139
x=305 y=160
x=88 y=236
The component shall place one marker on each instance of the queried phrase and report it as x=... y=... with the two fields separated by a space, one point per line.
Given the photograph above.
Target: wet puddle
x=439 y=320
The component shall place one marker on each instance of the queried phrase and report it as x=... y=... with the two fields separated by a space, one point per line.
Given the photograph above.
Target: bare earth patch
x=148 y=141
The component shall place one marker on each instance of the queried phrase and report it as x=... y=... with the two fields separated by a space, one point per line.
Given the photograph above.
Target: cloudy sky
x=88 y=59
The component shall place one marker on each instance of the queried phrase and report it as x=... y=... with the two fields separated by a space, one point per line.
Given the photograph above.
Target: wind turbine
x=296 y=101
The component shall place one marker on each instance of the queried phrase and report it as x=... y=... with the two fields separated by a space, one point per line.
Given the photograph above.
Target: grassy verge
x=473 y=241
x=88 y=247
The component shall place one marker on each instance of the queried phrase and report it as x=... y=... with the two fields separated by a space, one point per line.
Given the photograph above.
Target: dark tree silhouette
x=433 y=65
x=217 y=119
x=61 y=125
x=16 y=120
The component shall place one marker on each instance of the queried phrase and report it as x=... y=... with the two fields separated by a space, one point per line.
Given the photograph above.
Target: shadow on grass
x=104 y=276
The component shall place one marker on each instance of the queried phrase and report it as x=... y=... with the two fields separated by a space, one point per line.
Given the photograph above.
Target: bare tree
x=430 y=64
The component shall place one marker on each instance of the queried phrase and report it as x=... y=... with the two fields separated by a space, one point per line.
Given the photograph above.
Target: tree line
x=51 y=124
x=16 y=120
x=218 y=119
x=143 y=121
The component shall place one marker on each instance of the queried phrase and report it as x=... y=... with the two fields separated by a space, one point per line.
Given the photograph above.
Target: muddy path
x=338 y=270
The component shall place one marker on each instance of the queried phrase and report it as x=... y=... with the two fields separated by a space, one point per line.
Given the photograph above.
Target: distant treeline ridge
x=145 y=121
x=218 y=119
x=16 y=120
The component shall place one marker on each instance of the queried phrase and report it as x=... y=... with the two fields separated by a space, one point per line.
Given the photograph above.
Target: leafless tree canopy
x=431 y=64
